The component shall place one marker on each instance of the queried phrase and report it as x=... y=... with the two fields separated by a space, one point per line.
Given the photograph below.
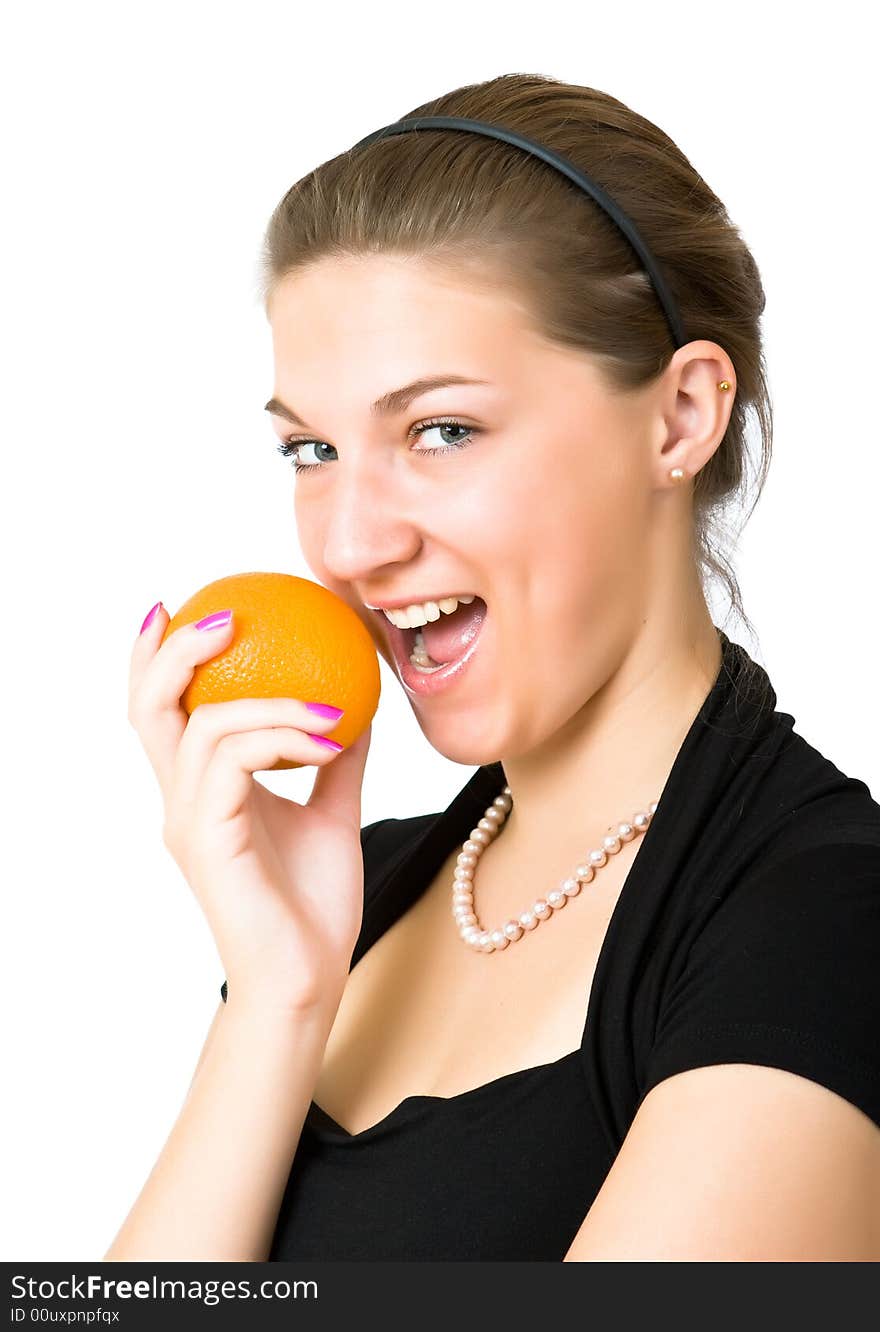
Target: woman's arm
x=216 y=1188
x=739 y=1163
x=212 y=1031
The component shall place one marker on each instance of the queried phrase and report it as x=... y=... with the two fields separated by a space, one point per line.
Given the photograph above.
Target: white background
x=144 y=151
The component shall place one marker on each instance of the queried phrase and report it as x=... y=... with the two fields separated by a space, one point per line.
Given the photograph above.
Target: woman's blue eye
x=291 y=447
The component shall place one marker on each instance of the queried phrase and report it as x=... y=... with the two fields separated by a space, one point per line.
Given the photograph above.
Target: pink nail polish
x=218 y=620
x=324 y=740
x=151 y=615
x=325 y=710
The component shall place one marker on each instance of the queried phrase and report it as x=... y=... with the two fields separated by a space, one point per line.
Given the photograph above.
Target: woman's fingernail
x=151 y=615
x=325 y=710
x=324 y=740
x=218 y=620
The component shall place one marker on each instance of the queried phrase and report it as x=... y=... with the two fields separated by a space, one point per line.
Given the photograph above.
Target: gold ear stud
x=724 y=384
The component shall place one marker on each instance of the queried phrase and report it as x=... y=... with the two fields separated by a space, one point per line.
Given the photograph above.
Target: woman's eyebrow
x=396 y=400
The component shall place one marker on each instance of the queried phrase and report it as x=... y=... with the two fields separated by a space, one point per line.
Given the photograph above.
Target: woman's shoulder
x=781 y=956
x=801 y=801
x=796 y=864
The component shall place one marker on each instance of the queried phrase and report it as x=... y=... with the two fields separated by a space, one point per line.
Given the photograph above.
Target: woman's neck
x=615 y=754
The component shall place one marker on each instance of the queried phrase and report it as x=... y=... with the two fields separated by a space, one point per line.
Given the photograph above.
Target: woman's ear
x=695 y=410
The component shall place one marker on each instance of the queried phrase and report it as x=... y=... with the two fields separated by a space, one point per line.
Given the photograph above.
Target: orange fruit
x=291 y=638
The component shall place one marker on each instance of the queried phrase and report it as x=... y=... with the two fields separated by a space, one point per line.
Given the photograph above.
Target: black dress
x=747 y=931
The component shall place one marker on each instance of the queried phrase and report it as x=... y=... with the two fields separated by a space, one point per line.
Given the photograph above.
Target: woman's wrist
x=272 y=1011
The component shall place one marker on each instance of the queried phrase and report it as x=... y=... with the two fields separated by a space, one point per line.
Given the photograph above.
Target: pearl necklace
x=463 y=913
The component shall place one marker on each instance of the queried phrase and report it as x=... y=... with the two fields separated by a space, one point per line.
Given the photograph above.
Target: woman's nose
x=366 y=527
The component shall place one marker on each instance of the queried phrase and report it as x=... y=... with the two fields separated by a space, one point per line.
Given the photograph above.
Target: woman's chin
x=467 y=753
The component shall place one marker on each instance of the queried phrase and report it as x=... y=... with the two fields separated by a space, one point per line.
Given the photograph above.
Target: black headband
x=561 y=163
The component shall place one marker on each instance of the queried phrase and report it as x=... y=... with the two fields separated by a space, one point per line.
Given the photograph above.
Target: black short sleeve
x=366 y=835
x=786 y=974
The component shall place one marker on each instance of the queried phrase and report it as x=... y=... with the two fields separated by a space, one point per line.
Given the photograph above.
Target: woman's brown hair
x=463 y=199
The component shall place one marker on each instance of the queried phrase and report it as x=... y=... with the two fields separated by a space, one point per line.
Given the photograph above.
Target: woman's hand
x=281 y=884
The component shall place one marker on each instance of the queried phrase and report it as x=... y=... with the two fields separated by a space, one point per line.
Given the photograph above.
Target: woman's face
x=544 y=513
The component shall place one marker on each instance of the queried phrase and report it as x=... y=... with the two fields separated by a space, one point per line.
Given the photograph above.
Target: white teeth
x=418 y=614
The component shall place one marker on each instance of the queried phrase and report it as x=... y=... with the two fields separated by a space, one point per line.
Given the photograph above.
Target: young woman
x=620 y=999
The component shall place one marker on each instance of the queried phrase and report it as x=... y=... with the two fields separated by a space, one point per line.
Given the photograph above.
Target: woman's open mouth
x=457 y=636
